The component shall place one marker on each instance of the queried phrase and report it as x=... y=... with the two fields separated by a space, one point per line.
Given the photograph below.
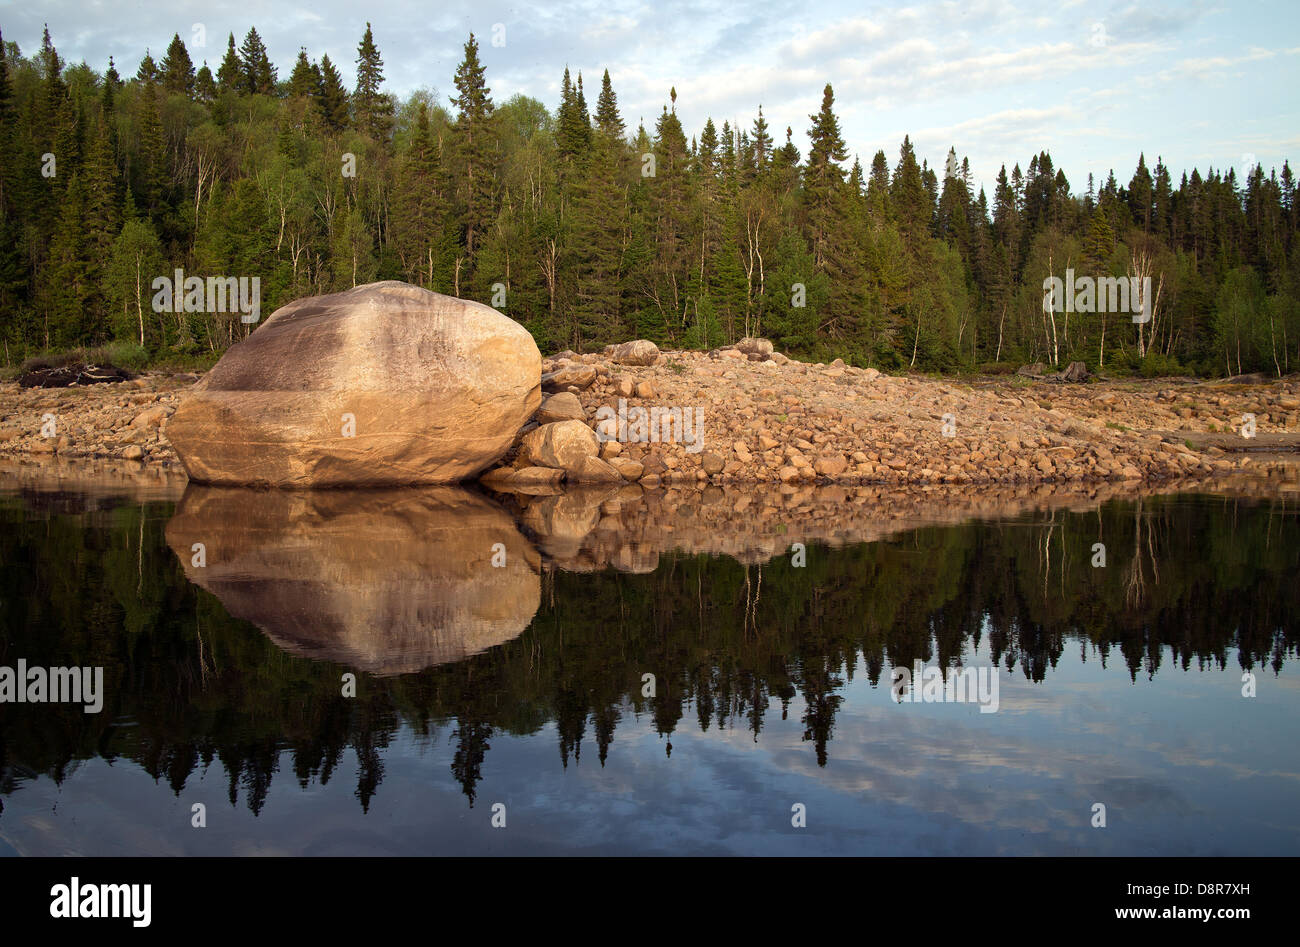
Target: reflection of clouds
x=901 y=779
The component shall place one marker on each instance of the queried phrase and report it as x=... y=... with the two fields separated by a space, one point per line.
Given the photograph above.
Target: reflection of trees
x=101 y=587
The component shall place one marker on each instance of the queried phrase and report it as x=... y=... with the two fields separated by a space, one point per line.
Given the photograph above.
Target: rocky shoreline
x=746 y=414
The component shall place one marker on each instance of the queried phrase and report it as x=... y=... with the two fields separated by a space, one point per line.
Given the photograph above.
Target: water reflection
x=473 y=673
x=386 y=581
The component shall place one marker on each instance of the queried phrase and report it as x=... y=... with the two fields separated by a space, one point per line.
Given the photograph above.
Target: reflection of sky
x=1183 y=763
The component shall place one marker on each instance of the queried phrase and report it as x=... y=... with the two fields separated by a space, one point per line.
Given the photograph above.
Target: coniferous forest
x=588 y=231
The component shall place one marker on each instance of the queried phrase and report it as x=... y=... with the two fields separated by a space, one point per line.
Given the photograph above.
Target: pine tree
x=205 y=87
x=909 y=198
x=230 y=74
x=333 y=97
x=258 y=73
x=473 y=125
x=822 y=175
x=608 y=119
x=148 y=71
x=177 y=69
x=152 y=164
x=761 y=142
x=373 y=110
x=878 y=204
x=569 y=128
x=304 y=81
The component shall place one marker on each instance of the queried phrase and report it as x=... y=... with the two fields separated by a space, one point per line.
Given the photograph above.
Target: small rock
x=564 y=406
x=638 y=352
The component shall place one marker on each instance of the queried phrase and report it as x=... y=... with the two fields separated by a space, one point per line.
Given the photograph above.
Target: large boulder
x=382 y=384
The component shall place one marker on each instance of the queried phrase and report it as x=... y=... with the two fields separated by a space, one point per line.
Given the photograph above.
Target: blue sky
x=1095 y=83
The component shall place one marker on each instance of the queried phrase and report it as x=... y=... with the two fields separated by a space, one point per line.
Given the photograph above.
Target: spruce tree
x=608 y=119
x=230 y=74
x=177 y=69
x=822 y=175
x=205 y=87
x=333 y=97
x=148 y=71
x=475 y=148
x=258 y=73
x=372 y=109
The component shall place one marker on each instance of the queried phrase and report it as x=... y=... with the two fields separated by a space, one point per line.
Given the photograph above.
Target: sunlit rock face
x=382 y=581
x=383 y=384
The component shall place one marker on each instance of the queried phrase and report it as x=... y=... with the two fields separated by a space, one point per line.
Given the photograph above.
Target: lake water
x=502 y=652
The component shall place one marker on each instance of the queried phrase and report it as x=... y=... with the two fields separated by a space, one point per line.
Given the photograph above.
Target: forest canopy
x=588 y=232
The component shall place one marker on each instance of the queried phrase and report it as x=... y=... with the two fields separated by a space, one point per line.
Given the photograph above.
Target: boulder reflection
x=384 y=581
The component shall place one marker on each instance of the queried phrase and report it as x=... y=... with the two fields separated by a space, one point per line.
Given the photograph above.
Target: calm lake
x=709 y=672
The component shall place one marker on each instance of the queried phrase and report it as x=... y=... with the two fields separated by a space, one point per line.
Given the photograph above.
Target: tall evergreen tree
x=177 y=69
x=258 y=72
x=608 y=119
x=373 y=110
x=333 y=97
x=230 y=74
x=474 y=108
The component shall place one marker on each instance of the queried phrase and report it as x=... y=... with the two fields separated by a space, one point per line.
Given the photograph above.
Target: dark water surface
x=500 y=648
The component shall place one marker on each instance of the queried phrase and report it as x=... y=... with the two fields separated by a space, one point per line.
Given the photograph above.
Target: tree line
x=587 y=232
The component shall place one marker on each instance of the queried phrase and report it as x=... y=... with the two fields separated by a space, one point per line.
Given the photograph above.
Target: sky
x=1198 y=83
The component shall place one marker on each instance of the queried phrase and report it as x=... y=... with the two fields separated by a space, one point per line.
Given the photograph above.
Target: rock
x=564 y=406
x=712 y=463
x=787 y=474
x=624 y=386
x=646 y=389
x=755 y=346
x=562 y=445
x=150 y=417
x=568 y=376
x=638 y=352
x=382 y=384
x=522 y=476
x=610 y=449
x=133 y=452
x=1034 y=370
x=830 y=465
x=628 y=468
x=593 y=470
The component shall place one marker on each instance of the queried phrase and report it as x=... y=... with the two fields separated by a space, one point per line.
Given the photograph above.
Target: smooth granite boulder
x=386 y=383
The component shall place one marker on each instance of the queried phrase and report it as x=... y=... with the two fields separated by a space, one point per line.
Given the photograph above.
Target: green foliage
x=689 y=239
